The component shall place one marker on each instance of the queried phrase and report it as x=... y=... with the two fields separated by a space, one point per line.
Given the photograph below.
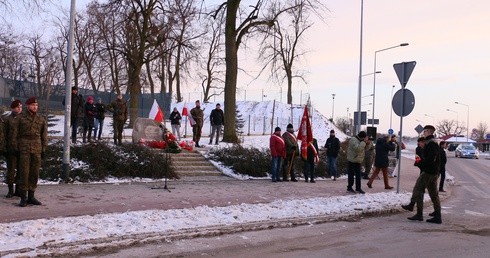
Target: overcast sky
x=448 y=39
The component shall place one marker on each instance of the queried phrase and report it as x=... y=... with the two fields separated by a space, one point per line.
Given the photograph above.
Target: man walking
x=217 y=121
x=198 y=116
x=333 y=147
x=429 y=165
x=120 y=115
x=278 y=153
x=29 y=139
x=291 y=152
x=355 y=156
x=10 y=155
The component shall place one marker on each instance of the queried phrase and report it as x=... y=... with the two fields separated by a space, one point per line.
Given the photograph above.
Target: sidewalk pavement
x=64 y=200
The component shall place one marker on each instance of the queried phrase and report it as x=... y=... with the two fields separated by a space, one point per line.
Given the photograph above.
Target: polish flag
x=184 y=110
x=155 y=112
x=305 y=134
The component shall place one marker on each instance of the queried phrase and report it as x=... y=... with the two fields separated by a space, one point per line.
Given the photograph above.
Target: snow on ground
x=43 y=236
x=35 y=235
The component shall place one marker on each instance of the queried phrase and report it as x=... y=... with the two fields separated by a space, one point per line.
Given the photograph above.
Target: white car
x=467 y=151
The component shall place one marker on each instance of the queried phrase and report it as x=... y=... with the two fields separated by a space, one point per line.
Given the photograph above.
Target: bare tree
x=281 y=49
x=343 y=123
x=480 y=132
x=448 y=127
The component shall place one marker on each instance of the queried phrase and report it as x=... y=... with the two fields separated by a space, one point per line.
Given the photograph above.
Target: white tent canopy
x=460 y=139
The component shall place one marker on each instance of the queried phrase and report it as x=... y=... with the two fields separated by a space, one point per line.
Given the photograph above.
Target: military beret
x=15 y=103
x=289 y=126
x=429 y=127
x=277 y=129
x=31 y=100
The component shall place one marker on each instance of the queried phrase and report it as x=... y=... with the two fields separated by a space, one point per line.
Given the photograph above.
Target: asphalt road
x=465 y=231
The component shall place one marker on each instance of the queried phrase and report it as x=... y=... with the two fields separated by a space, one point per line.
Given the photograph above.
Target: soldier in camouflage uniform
x=198 y=115
x=29 y=139
x=120 y=115
x=12 y=164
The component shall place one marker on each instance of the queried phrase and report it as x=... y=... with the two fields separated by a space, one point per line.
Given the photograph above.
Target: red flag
x=156 y=113
x=184 y=110
x=305 y=134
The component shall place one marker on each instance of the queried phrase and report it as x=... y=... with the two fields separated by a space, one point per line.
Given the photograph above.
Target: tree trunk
x=134 y=85
x=290 y=86
x=231 y=51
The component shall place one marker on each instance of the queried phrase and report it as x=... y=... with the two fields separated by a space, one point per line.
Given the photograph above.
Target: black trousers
x=354 y=169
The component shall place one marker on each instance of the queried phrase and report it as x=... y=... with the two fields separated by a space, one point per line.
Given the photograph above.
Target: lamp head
x=403 y=44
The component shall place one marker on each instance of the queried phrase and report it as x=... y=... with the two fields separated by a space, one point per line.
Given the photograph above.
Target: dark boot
x=436 y=219
x=432 y=214
x=31 y=199
x=10 y=194
x=17 y=191
x=419 y=216
x=23 y=199
x=408 y=207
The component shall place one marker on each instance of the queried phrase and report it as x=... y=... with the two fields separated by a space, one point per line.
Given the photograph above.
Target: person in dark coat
x=430 y=166
x=175 y=118
x=278 y=153
x=419 y=152
x=309 y=162
x=217 y=119
x=76 y=111
x=383 y=147
x=291 y=153
x=99 y=118
x=29 y=138
x=332 y=145
x=442 y=170
x=13 y=173
x=89 y=119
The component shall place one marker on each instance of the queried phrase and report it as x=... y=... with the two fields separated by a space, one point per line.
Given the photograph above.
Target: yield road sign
x=403 y=71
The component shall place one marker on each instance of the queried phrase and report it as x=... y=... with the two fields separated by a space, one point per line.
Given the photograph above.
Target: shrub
x=246 y=161
x=97 y=161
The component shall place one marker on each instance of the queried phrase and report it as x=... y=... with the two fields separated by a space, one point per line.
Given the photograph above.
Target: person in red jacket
x=278 y=153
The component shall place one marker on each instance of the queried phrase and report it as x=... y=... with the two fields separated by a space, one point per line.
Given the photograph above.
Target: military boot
x=419 y=216
x=23 y=199
x=10 y=194
x=31 y=199
x=408 y=207
x=17 y=191
x=436 y=219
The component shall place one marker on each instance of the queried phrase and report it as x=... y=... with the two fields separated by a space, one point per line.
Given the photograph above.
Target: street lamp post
x=391 y=108
x=374 y=77
x=467 y=119
x=333 y=104
x=457 y=120
x=359 y=89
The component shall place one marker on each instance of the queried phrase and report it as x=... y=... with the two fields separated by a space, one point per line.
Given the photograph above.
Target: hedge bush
x=98 y=160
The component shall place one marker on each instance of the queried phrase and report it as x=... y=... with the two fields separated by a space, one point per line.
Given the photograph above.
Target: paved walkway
x=88 y=199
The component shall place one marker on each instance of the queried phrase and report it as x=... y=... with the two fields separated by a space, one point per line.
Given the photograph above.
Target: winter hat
x=278 y=129
x=332 y=131
x=429 y=127
x=31 y=100
x=289 y=126
x=15 y=103
x=362 y=134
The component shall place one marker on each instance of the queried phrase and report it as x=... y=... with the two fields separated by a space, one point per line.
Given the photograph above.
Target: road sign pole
x=399 y=151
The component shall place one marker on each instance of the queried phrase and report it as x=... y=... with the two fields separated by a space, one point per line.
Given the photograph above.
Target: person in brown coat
x=120 y=115
x=29 y=139
x=198 y=116
x=10 y=155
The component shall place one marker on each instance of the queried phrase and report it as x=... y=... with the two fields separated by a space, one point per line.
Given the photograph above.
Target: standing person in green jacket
x=355 y=157
x=13 y=174
x=29 y=138
x=120 y=115
x=291 y=152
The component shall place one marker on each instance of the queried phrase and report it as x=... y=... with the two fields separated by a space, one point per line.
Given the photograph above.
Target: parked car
x=467 y=151
x=452 y=146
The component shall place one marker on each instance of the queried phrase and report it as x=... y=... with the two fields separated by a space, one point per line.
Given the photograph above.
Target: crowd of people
x=430 y=159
